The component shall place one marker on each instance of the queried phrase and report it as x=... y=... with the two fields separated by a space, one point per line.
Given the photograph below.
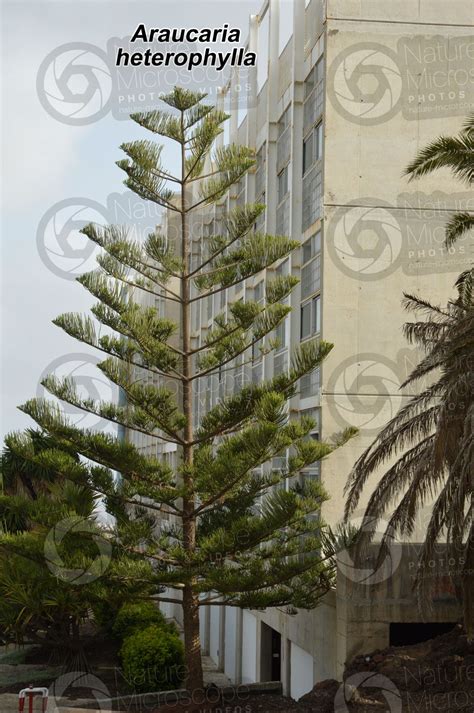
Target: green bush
x=105 y=614
x=153 y=660
x=136 y=617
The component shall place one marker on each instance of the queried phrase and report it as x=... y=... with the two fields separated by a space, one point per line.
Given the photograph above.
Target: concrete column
x=272 y=115
x=252 y=102
x=296 y=186
x=221 y=661
x=286 y=666
x=239 y=647
x=207 y=630
x=258 y=668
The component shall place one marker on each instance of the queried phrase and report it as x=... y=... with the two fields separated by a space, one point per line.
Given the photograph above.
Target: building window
x=311 y=247
x=312 y=147
x=312 y=192
x=309 y=384
x=315 y=414
x=260 y=222
x=315 y=76
x=258 y=292
x=283 y=268
x=260 y=171
x=223 y=298
x=282 y=184
x=284 y=121
x=310 y=318
x=311 y=266
x=313 y=95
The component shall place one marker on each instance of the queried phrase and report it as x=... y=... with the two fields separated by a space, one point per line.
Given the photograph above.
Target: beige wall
x=364 y=187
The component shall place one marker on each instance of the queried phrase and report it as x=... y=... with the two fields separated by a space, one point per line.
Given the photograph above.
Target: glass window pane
x=305 y=320
x=308 y=152
x=316 y=315
x=282 y=184
x=317 y=243
x=319 y=142
x=307 y=250
x=309 y=83
x=283 y=269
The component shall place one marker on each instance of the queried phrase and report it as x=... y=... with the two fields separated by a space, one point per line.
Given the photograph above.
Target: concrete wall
x=230 y=660
x=214 y=636
x=249 y=648
x=301 y=672
x=384 y=236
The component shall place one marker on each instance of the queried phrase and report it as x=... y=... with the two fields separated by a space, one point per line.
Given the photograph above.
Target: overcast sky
x=49 y=158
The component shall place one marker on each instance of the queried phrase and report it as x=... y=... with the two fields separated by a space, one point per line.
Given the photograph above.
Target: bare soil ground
x=436 y=676
x=431 y=677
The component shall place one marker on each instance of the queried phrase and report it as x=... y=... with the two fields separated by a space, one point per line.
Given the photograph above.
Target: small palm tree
x=430 y=442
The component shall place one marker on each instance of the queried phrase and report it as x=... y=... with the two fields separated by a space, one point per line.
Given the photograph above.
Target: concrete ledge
x=9 y=701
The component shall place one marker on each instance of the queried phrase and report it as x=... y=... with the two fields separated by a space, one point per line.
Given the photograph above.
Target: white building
x=345 y=93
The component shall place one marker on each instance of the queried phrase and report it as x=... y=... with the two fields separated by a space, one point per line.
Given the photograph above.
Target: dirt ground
x=436 y=676
x=431 y=677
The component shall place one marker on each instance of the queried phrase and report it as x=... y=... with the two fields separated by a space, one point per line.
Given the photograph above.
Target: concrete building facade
x=345 y=93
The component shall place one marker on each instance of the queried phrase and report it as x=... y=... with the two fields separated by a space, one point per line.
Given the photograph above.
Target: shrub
x=105 y=614
x=136 y=617
x=153 y=660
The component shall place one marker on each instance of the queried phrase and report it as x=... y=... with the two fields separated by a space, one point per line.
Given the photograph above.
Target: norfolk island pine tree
x=224 y=544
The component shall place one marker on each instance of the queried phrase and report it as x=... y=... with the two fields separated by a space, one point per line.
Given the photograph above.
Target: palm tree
x=430 y=442
x=456 y=153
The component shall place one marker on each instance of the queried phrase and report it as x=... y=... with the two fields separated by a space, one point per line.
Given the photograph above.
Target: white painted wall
x=301 y=668
x=214 y=634
x=202 y=626
x=249 y=648
x=230 y=641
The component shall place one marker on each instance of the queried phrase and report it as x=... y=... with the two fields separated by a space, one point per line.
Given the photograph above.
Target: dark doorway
x=403 y=634
x=270 y=652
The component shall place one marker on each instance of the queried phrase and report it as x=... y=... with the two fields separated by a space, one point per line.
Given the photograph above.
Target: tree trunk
x=192 y=641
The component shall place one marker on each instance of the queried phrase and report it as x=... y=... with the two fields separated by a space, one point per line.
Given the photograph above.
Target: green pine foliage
x=218 y=529
x=58 y=565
